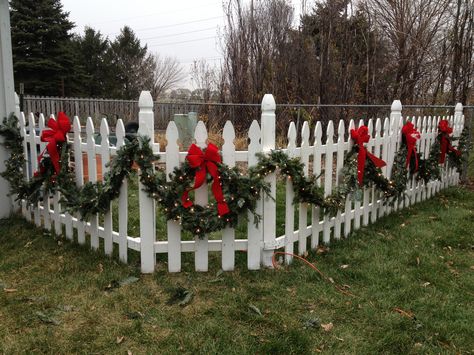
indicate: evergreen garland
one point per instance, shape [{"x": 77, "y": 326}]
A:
[{"x": 241, "y": 192}]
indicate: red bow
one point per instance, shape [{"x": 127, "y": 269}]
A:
[
  {"x": 444, "y": 132},
  {"x": 361, "y": 136},
  {"x": 206, "y": 163},
  {"x": 411, "y": 136},
  {"x": 55, "y": 135}
]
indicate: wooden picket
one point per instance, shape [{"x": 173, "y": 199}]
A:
[{"x": 261, "y": 240}]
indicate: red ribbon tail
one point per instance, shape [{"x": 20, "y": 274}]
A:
[
  {"x": 185, "y": 200},
  {"x": 379, "y": 163},
  {"x": 222, "y": 208},
  {"x": 54, "y": 155}
]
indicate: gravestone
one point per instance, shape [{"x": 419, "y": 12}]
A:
[{"x": 186, "y": 124}]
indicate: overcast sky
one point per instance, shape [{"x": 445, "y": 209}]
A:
[{"x": 185, "y": 29}]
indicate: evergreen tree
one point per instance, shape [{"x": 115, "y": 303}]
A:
[
  {"x": 94, "y": 64},
  {"x": 132, "y": 65},
  {"x": 42, "y": 53}
]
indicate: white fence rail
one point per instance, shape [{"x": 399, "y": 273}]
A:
[{"x": 261, "y": 241}]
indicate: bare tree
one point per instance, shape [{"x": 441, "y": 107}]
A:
[
  {"x": 414, "y": 29},
  {"x": 204, "y": 78},
  {"x": 167, "y": 73}
]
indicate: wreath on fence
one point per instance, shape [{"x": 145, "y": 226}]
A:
[{"x": 235, "y": 194}]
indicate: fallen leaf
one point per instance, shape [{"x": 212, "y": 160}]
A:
[
  {"x": 27, "y": 245},
  {"x": 417, "y": 261},
  {"x": 404, "y": 313},
  {"x": 345, "y": 266},
  {"x": 331, "y": 280},
  {"x": 47, "y": 319},
  {"x": 327, "y": 327},
  {"x": 129, "y": 352},
  {"x": 66, "y": 308},
  {"x": 322, "y": 249},
  {"x": 100, "y": 267},
  {"x": 402, "y": 225},
  {"x": 312, "y": 322},
  {"x": 426, "y": 284},
  {"x": 340, "y": 339},
  {"x": 129, "y": 280},
  {"x": 120, "y": 340},
  {"x": 255, "y": 309},
  {"x": 187, "y": 298},
  {"x": 10, "y": 290},
  {"x": 472, "y": 267}
]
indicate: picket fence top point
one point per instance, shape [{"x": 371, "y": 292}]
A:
[
  {"x": 268, "y": 103},
  {"x": 145, "y": 100},
  {"x": 396, "y": 105},
  {"x": 458, "y": 107}
]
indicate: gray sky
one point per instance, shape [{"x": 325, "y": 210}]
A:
[{"x": 185, "y": 29}]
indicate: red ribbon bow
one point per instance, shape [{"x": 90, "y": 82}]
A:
[
  {"x": 411, "y": 136},
  {"x": 206, "y": 163},
  {"x": 361, "y": 136},
  {"x": 55, "y": 135},
  {"x": 445, "y": 131}
]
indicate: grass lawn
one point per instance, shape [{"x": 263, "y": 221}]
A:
[{"x": 407, "y": 287}]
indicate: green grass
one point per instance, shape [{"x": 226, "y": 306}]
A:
[{"x": 419, "y": 260}]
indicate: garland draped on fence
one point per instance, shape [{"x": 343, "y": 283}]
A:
[{"x": 236, "y": 194}]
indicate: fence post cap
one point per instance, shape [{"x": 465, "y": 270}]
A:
[
  {"x": 268, "y": 103},
  {"x": 145, "y": 100},
  {"x": 458, "y": 107},
  {"x": 396, "y": 105}
]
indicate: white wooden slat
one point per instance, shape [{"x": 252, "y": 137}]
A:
[
  {"x": 377, "y": 148},
  {"x": 228, "y": 235},
  {"x": 348, "y": 207},
  {"x": 68, "y": 218},
  {"x": 34, "y": 160},
  {"x": 201, "y": 260},
  {"x": 397, "y": 141},
  {"x": 417, "y": 184},
  {"x": 56, "y": 205},
  {"x": 269, "y": 202},
  {"x": 79, "y": 173},
  {"x": 341, "y": 130},
  {"x": 105, "y": 159},
  {"x": 255, "y": 233},
  {"x": 422, "y": 151},
  {"x": 316, "y": 211},
  {"x": 147, "y": 203},
  {"x": 367, "y": 191},
  {"x": 46, "y": 200},
  {"x": 437, "y": 184},
  {"x": 173, "y": 227},
  {"x": 303, "y": 207},
  {"x": 386, "y": 142},
  {"x": 289, "y": 197},
  {"x": 328, "y": 170},
  {"x": 122, "y": 200},
  {"x": 357, "y": 202},
  {"x": 26, "y": 174},
  {"x": 92, "y": 172}
]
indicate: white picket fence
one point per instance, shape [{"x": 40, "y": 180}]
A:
[{"x": 261, "y": 242}]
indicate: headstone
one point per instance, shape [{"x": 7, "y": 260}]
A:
[{"x": 186, "y": 124}]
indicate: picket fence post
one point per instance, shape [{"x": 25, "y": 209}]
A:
[
  {"x": 458, "y": 126},
  {"x": 147, "y": 204},
  {"x": 269, "y": 204}
]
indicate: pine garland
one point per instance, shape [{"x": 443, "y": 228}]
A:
[{"x": 241, "y": 192}]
